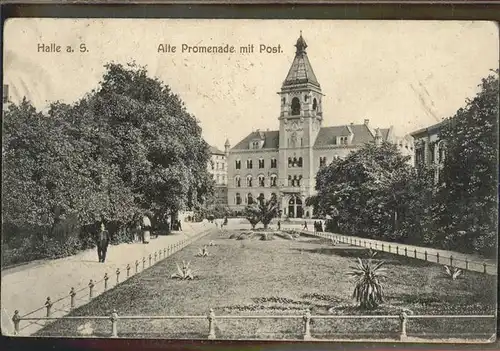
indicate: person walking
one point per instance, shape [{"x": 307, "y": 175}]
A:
[
  {"x": 102, "y": 243},
  {"x": 146, "y": 229},
  {"x": 279, "y": 225},
  {"x": 305, "y": 225}
]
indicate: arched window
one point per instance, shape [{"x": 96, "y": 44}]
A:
[
  {"x": 261, "y": 163},
  {"x": 273, "y": 163},
  {"x": 249, "y": 181},
  {"x": 295, "y": 181},
  {"x": 238, "y": 199},
  {"x": 283, "y": 101},
  {"x": 249, "y": 164},
  {"x": 322, "y": 161},
  {"x": 237, "y": 181},
  {"x": 295, "y": 162},
  {"x": 300, "y": 162},
  {"x": 249, "y": 199},
  {"x": 290, "y": 162},
  {"x": 299, "y": 180},
  {"x": 261, "y": 180},
  {"x": 295, "y": 106},
  {"x": 238, "y": 164},
  {"x": 255, "y": 144},
  {"x": 315, "y": 104},
  {"x": 261, "y": 198},
  {"x": 274, "y": 179},
  {"x": 289, "y": 180}
]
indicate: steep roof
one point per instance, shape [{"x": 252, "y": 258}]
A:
[
  {"x": 301, "y": 70},
  {"x": 271, "y": 140},
  {"x": 215, "y": 151},
  {"x": 361, "y": 134}
]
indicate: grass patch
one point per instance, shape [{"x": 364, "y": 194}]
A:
[{"x": 286, "y": 277}]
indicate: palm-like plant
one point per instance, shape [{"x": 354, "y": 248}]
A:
[
  {"x": 371, "y": 253},
  {"x": 368, "y": 290},
  {"x": 452, "y": 272},
  {"x": 183, "y": 272},
  {"x": 203, "y": 252}
]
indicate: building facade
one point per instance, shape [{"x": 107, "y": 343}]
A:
[
  {"x": 283, "y": 163},
  {"x": 217, "y": 167},
  {"x": 429, "y": 149}
]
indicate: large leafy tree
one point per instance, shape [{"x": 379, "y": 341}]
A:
[
  {"x": 130, "y": 146},
  {"x": 467, "y": 200},
  {"x": 373, "y": 192}
]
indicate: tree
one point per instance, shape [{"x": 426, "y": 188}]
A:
[
  {"x": 466, "y": 210},
  {"x": 373, "y": 192},
  {"x": 252, "y": 214},
  {"x": 267, "y": 209}
]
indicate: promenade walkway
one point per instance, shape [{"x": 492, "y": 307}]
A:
[
  {"x": 469, "y": 262},
  {"x": 26, "y": 288}
]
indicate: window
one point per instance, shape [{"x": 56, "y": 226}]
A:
[
  {"x": 299, "y": 180},
  {"x": 261, "y": 163},
  {"x": 315, "y": 104},
  {"x": 295, "y": 106},
  {"x": 261, "y": 198},
  {"x": 283, "y": 101},
  {"x": 273, "y": 163},
  {"x": 249, "y": 164},
  {"x": 274, "y": 179},
  {"x": 273, "y": 197},
  {"x": 238, "y": 199},
  {"x": 290, "y": 162},
  {"x": 255, "y": 144},
  {"x": 249, "y": 199},
  {"x": 218, "y": 179},
  {"x": 238, "y": 164},
  {"x": 322, "y": 161},
  {"x": 261, "y": 180},
  {"x": 289, "y": 180},
  {"x": 419, "y": 156},
  {"x": 249, "y": 181},
  {"x": 300, "y": 162},
  {"x": 237, "y": 181},
  {"x": 343, "y": 140},
  {"x": 212, "y": 165}
]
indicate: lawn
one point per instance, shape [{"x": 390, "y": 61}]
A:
[{"x": 255, "y": 277}]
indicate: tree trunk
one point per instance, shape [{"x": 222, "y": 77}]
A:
[{"x": 265, "y": 225}]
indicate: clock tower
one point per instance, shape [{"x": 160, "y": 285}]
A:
[{"x": 300, "y": 120}]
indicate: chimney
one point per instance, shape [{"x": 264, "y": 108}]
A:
[{"x": 367, "y": 121}]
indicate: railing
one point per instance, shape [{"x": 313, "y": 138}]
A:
[
  {"x": 88, "y": 292},
  {"x": 403, "y": 250},
  {"x": 306, "y": 318}
]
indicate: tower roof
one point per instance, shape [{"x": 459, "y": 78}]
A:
[{"x": 301, "y": 70}]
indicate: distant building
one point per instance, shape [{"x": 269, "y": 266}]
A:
[
  {"x": 218, "y": 168},
  {"x": 429, "y": 149},
  {"x": 283, "y": 163}
]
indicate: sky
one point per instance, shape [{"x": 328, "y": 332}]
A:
[{"x": 408, "y": 74}]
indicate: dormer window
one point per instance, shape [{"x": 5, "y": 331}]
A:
[
  {"x": 255, "y": 144},
  {"x": 343, "y": 140},
  {"x": 295, "y": 106}
]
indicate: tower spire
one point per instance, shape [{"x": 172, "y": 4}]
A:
[{"x": 301, "y": 71}]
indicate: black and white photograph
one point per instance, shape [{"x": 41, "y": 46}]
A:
[{"x": 231, "y": 179}]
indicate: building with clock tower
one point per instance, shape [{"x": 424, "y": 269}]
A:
[{"x": 283, "y": 163}]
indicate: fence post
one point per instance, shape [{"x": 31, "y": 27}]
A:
[
  {"x": 211, "y": 324},
  {"x": 307, "y": 324},
  {"x": 106, "y": 281},
  {"x": 48, "y": 305},
  {"x": 16, "y": 319},
  {"x": 136, "y": 266},
  {"x": 403, "y": 317},
  {"x": 72, "y": 295},
  {"x": 389, "y": 248},
  {"x": 397, "y": 250},
  {"x": 114, "y": 324},
  {"x": 425, "y": 254},
  {"x": 164, "y": 251},
  {"x": 451, "y": 260},
  {"x": 128, "y": 270},
  {"x": 91, "y": 289},
  {"x": 117, "y": 275},
  {"x": 143, "y": 263},
  {"x": 406, "y": 252},
  {"x": 155, "y": 256},
  {"x": 168, "y": 250},
  {"x": 415, "y": 253},
  {"x": 484, "y": 268},
  {"x": 149, "y": 260},
  {"x": 376, "y": 246},
  {"x": 437, "y": 257}
]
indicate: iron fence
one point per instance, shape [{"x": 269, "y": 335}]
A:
[
  {"x": 404, "y": 250},
  {"x": 306, "y": 318}
]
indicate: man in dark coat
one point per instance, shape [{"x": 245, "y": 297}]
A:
[{"x": 102, "y": 243}]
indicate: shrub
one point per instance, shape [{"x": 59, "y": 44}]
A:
[
  {"x": 368, "y": 290},
  {"x": 184, "y": 272}
]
